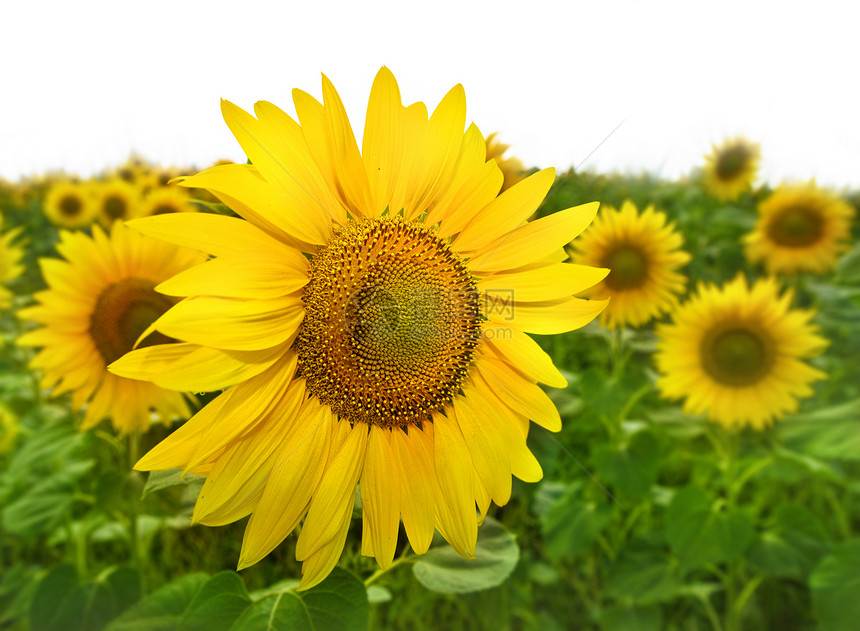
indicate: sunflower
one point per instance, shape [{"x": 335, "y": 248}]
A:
[
  {"x": 116, "y": 199},
  {"x": 512, "y": 168},
  {"x": 731, "y": 169},
  {"x": 737, "y": 353},
  {"x": 800, "y": 228},
  {"x": 11, "y": 254},
  {"x": 165, "y": 200},
  {"x": 370, "y": 316},
  {"x": 643, "y": 253},
  {"x": 99, "y": 301},
  {"x": 70, "y": 204}
]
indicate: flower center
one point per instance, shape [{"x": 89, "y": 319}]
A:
[
  {"x": 391, "y": 323},
  {"x": 123, "y": 311},
  {"x": 732, "y": 162},
  {"x": 736, "y": 357},
  {"x": 796, "y": 226},
  {"x": 115, "y": 207},
  {"x": 628, "y": 268},
  {"x": 70, "y": 206}
]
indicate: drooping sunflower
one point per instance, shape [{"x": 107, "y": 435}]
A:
[
  {"x": 99, "y": 301},
  {"x": 642, "y": 250},
  {"x": 166, "y": 200},
  {"x": 731, "y": 168},
  {"x": 70, "y": 204},
  {"x": 116, "y": 200},
  {"x": 369, "y": 319},
  {"x": 800, "y": 228},
  {"x": 512, "y": 168},
  {"x": 11, "y": 255},
  {"x": 738, "y": 352}
]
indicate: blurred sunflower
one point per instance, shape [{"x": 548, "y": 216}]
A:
[
  {"x": 344, "y": 314},
  {"x": 737, "y": 353},
  {"x": 731, "y": 169},
  {"x": 116, "y": 200},
  {"x": 642, "y": 252},
  {"x": 11, "y": 255},
  {"x": 70, "y": 204},
  {"x": 800, "y": 228},
  {"x": 162, "y": 201},
  {"x": 512, "y": 168},
  {"x": 99, "y": 301}
]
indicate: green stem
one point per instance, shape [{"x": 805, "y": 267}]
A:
[
  {"x": 711, "y": 613},
  {"x": 133, "y": 531},
  {"x": 379, "y": 573}
]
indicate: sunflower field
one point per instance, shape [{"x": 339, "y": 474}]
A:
[{"x": 406, "y": 382}]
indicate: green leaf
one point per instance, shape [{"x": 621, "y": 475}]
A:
[
  {"x": 442, "y": 570},
  {"x": 848, "y": 267},
  {"x": 700, "y": 534},
  {"x": 378, "y": 594},
  {"x": 339, "y": 603},
  {"x": 217, "y": 605},
  {"x": 832, "y": 432},
  {"x": 631, "y": 619},
  {"x": 570, "y": 525},
  {"x": 643, "y": 577},
  {"x": 52, "y": 590},
  {"x": 158, "y": 480},
  {"x": 835, "y": 586},
  {"x": 631, "y": 468},
  {"x": 162, "y": 610},
  {"x": 805, "y": 533}
]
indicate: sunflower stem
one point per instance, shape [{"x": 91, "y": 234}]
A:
[
  {"x": 133, "y": 445},
  {"x": 379, "y": 573}
]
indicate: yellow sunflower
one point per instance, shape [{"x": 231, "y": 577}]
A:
[
  {"x": 166, "y": 200},
  {"x": 116, "y": 199},
  {"x": 800, "y": 228},
  {"x": 344, "y": 313},
  {"x": 11, "y": 255},
  {"x": 512, "y": 168},
  {"x": 737, "y": 353},
  {"x": 643, "y": 253},
  {"x": 70, "y": 204},
  {"x": 731, "y": 169},
  {"x": 99, "y": 301}
]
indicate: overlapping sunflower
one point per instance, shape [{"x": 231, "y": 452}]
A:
[{"x": 369, "y": 317}]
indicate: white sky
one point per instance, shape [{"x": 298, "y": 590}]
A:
[{"x": 85, "y": 83}]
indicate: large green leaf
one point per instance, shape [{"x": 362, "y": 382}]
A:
[
  {"x": 700, "y": 534},
  {"x": 570, "y": 524},
  {"x": 158, "y": 480},
  {"x": 217, "y": 605},
  {"x": 831, "y": 432},
  {"x": 631, "y": 618},
  {"x": 631, "y": 468},
  {"x": 163, "y": 609},
  {"x": 339, "y": 603},
  {"x": 496, "y": 554},
  {"x": 643, "y": 577},
  {"x": 835, "y": 586}
]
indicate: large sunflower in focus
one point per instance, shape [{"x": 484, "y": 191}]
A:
[
  {"x": 738, "y": 353},
  {"x": 369, "y": 317},
  {"x": 99, "y": 301},
  {"x": 11, "y": 255},
  {"x": 731, "y": 169},
  {"x": 70, "y": 204},
  {"x": 800, "y": 228},
  {"x": 642, "y": 250}
]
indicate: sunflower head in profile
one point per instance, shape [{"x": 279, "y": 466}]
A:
[
  {"x": 512, "y": 168},
  {"x": 100, "y": 299},
  {"x": 368, "y": 316},
  {"x": 642, "y": 252},
  {"x": 11, "y": 266},
  {"x": 70, "y": 204},
  {"x": 731, "y": 168},
  {"x": 166, "y": 200},
  {"x": 116, "y": 200},
  {"x": 737, "y": 353},
  {"x": 800, "y": 228}
]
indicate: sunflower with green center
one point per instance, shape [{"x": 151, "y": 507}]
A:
[
  {"x": 369, "y": 319},
  {"x": 731, "y": 169},
  {"x": 116, "y": 200},
  {"x": 99, "y": 301},
  {"x": 738, "y": 352},
  {"x": 800, "y": 228},
  {"x": 166, "y": 200},
  {"x": 70, "y": 204},
  {"x": 512, "y": 168},
  {"x": 11, "y": 255},
  {"x": 642, "y": 250}
]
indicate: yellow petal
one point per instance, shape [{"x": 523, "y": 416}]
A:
[
  {"x": 522, "y": 353},
  {"x": 415, "y": 465},
  {"x": 380, "y": 495},
  {"x": 551, "y": 317},
  {"x": 550, "y": 282},
  {"x": 455, "y": 504},
  {"x": 488, "y": 453},
  {"x": 497, "y": 380}
]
